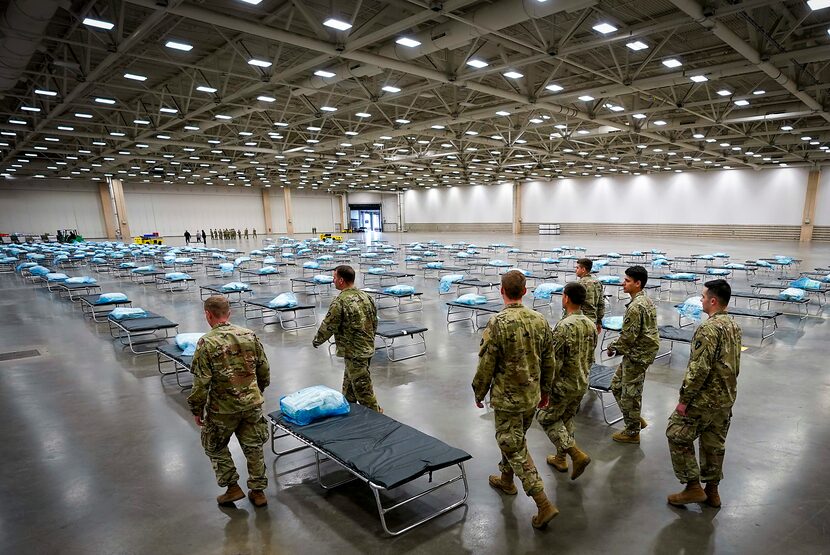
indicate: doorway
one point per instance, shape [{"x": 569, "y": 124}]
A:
[{"x": 365, "y": 217}]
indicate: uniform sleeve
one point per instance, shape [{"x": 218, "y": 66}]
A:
[
  {"x": 202, "y": 374},
  {"x": 600, "y": 303},
  {"x": 487, "y": 360},
  {"x": 330, "y": 324},
  {"x": 702, "y": 357},
  {"x": 552, "y": 357},
  {"x": 263, "y": 369},
  {"x": 630, "y": 331},
  {"x": 374, "y": 315}
]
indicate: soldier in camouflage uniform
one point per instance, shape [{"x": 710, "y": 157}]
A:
[
  {"x": 638, "y": 344},
  {"x": 353, "y": 320},
  {"x": 704, "y": 410},
  {"x": 594, "y": 306},
  {"x": 516, "y": 365},
  {"x": 230, "y": 374},
  {"x": 574, "y": 342}
]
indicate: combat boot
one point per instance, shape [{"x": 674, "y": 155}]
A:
[
  {"x": 558, "y": 461},
  {"x": 233, "y": 493},
  {"x": 692, "y": 494},
  {"x": 257, "y": 497},
  {"x": 712, "y": 495},
  {"x": 643, "y": 423},
  {"x": 580, "y": 461},
  {"x": 504, "y": 483},
  {"x": 626, "y": 437},
  {"x": 547, "y": 511}
]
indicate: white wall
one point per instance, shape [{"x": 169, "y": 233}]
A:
[
  {"x": 320, "y": 211},
  {"x": 41, "y": 206},
  {"x": 767, "y": 197},
  {"x": 277, "y": 211},
  {"x": 823, "y": 199},
  {"x": 475, "y": 204},
  {"x": 170, "y": 209}
]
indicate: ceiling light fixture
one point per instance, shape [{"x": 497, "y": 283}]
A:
[
  {"x": 98, "y": 24},
  {"x": 109, "y": 101},
  {"x": 134, "y": 77},
  {"x": 724, "y": 92},
  {"x": 45, "y": 92},
  {"x": 477, "y": 63},
  {"x": 553, "y": 87},
  {"x": 205, "y": 88},
  {"x": 335, "y": 23},
  {"x": 324, "y": 73},
  {"x": 699, "y": 78},
  {"x": 586, "y": 98},
  {"x": 604, "y": 28},
  {"x": 513, "y": 74},
  {"x": 263, "y": 98},
  {"x": 637, "y": 45},
  {"x": 390, "y": 89},
  {"x": 408, "y": 42},
  {"x": 672, "y": 63},
  {"x": 176, "y": 45}
]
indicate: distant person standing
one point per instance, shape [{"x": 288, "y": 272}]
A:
[
  {"x": 594, "y": 306},
  {"x": 186, "y": 237},
  {"x": 246, "y": 233},
  {"x": 254, "y": 230},
  {"x": 204, "y": 237}
]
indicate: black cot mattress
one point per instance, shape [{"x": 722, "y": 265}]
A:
[
  {"x": 672, "y": 333},
  {"x": 151, "y": 322},
  {"x": 390, "y": 328},
  {"x": 172, "y": 351},
  {"x": 375, "y": 446}
]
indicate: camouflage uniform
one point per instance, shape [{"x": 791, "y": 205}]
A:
[
  {"x": 574, "y": 341},
  {"x": 638, "y": 343},
  {"x": 353, "y": 320},
  {"x": 230, "y": 373},
  {"x": 594, "y": 305},
  {"x": 515, "y": 364},
  {"x": 708, "y": 391}
]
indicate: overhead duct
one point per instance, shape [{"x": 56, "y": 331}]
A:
[
  {"x": 454, "y": 34},
  {"x": 22, "y": 27}
]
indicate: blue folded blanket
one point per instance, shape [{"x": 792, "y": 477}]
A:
[
  {"x": 127, "y": 313},
  {"x": 104, "y": 298},
  {"x": 498, "y": 263},
  {"x": 266, "y": 270},
  {"x": 736, "y": 266},
  {"x": 322, "y": 279},
  {"x": 386, "y": 262},
  {"x": 312, "y": 265},
  {"x": 376, "y": 271},
  {"x": 613, "y": 323},
  {"x": 400, "y": 290},
  {"x": 471, "y": 299},
  {"x": 176, "y": 276},
  {"x": 140, "y": 269},
  {"x": 434, "y": 265},
  {"x": 806, "y": 283},
  {"x": 691, "y": 308},
  {"x": 311, "y": 404},
  {"x": 241, "y": 260},
  {"x": 792, "y": 294},
  {"x": 187, "y": 342},
  {"x": 609, "y": 279},
  {"x": 413, "y": 258},
  {"x": 681, "y": 276},
  {"x": 126, "y": 265},
  {"x": 38, "y": 270},
  {"x": 717, "y": 272},
  {"x": 226, "y": 267},
  {"x": 546, "y": 290},
  {"x": 548, "y": 260},
  {"x": 81, "y": 279},
  {"x": 446, "y": 282},
  {"x": 56, "y": 277},
  {"x": 284, "y": 300},
  {"x": 235, "y": 286}
]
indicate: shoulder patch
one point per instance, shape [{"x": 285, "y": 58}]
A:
[{"x": 698, "y": 344}]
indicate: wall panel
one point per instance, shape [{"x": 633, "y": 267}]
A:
[{"x": 41, "y": 206}]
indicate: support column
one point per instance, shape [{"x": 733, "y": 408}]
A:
[
  {"x": 343, "y": 218},
  {"x": 266, "y": 209},
  {"x": 289, "y": 212},
  {"x": 517, "y": 207},
  {"x": 123, "y": 225},
  {"x": 810, "y": 206},
  {"x": 106, "y": 210}
]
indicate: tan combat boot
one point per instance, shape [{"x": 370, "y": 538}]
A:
[
  {"x": 692, "y": 494},
  {"x": 257, "y": 497},
  {"x": 580, "y": 461},
  {"x": 643, "y": 423},
  {"x": 547, "y": 511},
  {"x": 233, "y": 493},
  {"x": 504, "y": 483},
  {"x": 712, "y": 495},
  {"x": 626, "y": 437},
  {"x": 558, "y": 461}
]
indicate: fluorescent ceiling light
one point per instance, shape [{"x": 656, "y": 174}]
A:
[
  {"x": 337, "y": 24},
  {"x": 699, "y": 78},
  {"x": 659, "y": 123},
  {"x": 83, "y": 115},
  {"x": 191, "y": 128},
  {"x": 513, "y": 74},
  {"x": 351, "y": 133},
  {"x": 252, "y": 2},
  {"x": 222, "y": 116},
  {"x": 66, "y": 128},
  {"x": 786, "y": 128},
  {"x": 471, "y": 132},
  {"x": 313, "y": 128},
  {"x": 363, "y": 115},
  {"x": 163, "y": 137},
  {"x": 259, "y": 63},
  {"x": 724, "y": 92},
  {"x": 698, "y": 135},
  {"x": 115, "y": 134},
  {"x": 408, "y": 42},
  {"x": 109, "y": 101},
  {"x": 476, "y": 63},
  {"x": 167, "y": 110},
  {"x": 759, "y": 92},
  {"x": 29, "y": 109},
  {"x": 402, "y": 121},
  {"x": 818, "y": 4},
  {"x": 175, "y": 45},
  {"x": 328, "y": 108},
  {"x": 742, "y": 102},
  {"x": 324, "y": 73},
  {"x": 672, "y": 62},
  {"x": 98, "y": 24},
  {"x": 437, "y": 127},
  {"x": 639, "y": 116},
  {"x": 205, "y": 88},
  {"x": 637, "y": 45},
  {"x": 45, "y": 92},
  {"x": 604, "y": 28},
  {"x": 141, "y": 121},
  {"x": 264, "y": 98},
  {"x": 280, "y": 124},
  {"x": 17, "y": 121},
  {"x": 390, "y": 88},
  {"x": 586, "y": 98},
  {"x": 134, "y": 77},
  {"x": 502, "y": 113}
]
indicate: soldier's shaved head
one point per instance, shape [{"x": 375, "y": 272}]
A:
[
  {"x": 514, "y": 284},
  {"x": 719, "y": 289},
  {"x": 576, "y": 292},
  {"x": 346, "y": 273},
  {"x": 218, "y": 306}
]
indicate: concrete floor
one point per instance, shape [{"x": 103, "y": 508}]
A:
[{"x": 102, "y": 455}]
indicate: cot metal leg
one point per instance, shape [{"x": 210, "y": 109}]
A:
[
  {"x": 275, "y": 437},
  {"x": 320, "y": 476},
  {"x": 667, "y": 353},
  {"x": 601, "y": 396},
  {"x": 295, "y": 322},
  {"x": 418, "y": 342}
]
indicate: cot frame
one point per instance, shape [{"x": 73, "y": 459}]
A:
[
  {"x": 410, "y": 302},
  {"x": 178, "y": 367},
  {"x": 131, "y": 343},
  {"x": 375, "y": 488},
  {"x": 88, "y": 309},
  {"x": 600, "y": 393},
  {"x": 475, "y": 312},
  {"x": 249, "y": 310},
  {"x": 418, "y": 341},
  {"x": 234, "y": 297}
]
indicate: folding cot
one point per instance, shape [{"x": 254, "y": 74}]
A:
[
  {"x": 670, "y": 279},
  {"x": 216, "y": 271},
  {"x": 308, "y": 286},
  {"x": 169, "y": 284},
  {"x": 767, "y": 300},
  {"x": 483, "y": 287},
  {"x": 7, "y": 264},
  {"x": 599, "y": 382},
  {"x": 390, "y": 331},
  {"x": 234, "y": 296},
  {"x": 820, "y": 294},
  {"x": 257, "y": 308},
  {"x": 261, "y": 277},
  {"x": 379, "y": 277},
  {"x": 93, "y": 307},
  {"x": 76, "y": 290},
  {"x": 669, "y": 333},
  {"x": 485, "y": 268},
  {"x": 472, "y": 312},
  {"x": 380, "y": 451},
  {"x": 747, "y": 269},
  {"x": 404, "y": 302},
  {"x": 620, "y": 294},
  {"x": 435, "y": 273},
  {"x": 539, "y": 263},
  {"x": 145, "y": 276},
  {"x": 326, "y": 270},
  {"x": 131, "y": 332},
  {"x": 172, "y": 354},
  {"x": 763, "y": 316}
]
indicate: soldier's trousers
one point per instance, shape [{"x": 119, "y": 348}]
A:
[
  {"x": 627, "y": 387},
  {"x": 357, "y": 383},
  {"x": 251, "y": 431},
  {"x": 511, "y": 428},
  {"x": 558, "y": 420},
  {"x": 710, "y": 426}
]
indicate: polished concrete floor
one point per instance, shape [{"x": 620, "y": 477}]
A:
[{"x": 102, "y": 456}]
